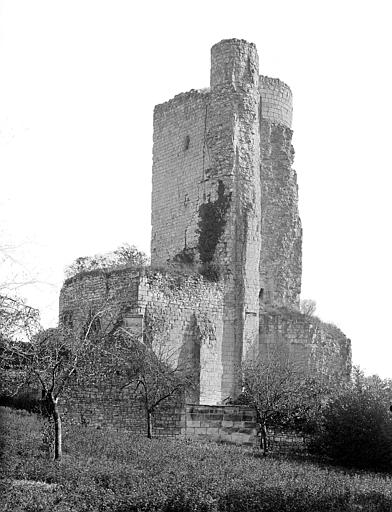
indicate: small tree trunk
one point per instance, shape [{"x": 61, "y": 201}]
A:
[
  {"x": 58, "y": 452},
  {"x": 149, "y": 424},
  {"x": 263, "y": 438}
]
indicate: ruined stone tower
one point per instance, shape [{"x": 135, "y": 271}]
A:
[
  {"x": 224, "y": 205},
  {"x": 224, "y": 193}
]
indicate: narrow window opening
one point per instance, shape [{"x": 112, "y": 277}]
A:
[
  {"x": 187, "y": 142},
  {"x": 261, "y": 295}
]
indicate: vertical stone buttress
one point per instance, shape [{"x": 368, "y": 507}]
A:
[{"x": 233, "y": 146}]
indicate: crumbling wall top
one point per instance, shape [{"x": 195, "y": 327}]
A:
[
  {"x": 181, "y": 98},
  {"x": 234, "y": 61}
]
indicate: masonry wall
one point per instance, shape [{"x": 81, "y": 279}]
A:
[
  {"x": 101, "y": 402},
  {"x": 313, "y": 346},
  {"x": 236, "y": 424},
  {"x": 230, "y": 424},
  {"x": 184, "y": 313},
  {"x": 188, "y": 310},
  {"x": 225, "y": 194},
  {"x": 206, "y": 199},
  {"x": 281, "y": 231},
  {"x": 276, "y": 101},
  {"x": 113, "y": 292},
  {"x": 179, "y": 166},
  {"x": 112, "y": 410},
  {"x": 233, "y": 145}
]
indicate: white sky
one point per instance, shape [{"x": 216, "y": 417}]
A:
[{"x": 78, "y": 83}]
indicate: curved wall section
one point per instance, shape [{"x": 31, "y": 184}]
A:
[
  {"x": 276, "y": 101},
  {"x": 234, "y": 61}
]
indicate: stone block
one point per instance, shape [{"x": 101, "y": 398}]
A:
[
  {"x": 213, "y": 431},
  {"x": 225, "y": 424}
]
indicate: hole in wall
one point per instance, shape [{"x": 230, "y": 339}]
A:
[
  {"x": 67, "y": 319},
  {"x": 187, "y": 142}
]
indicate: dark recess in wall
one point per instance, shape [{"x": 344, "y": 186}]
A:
[{"x": 212, "y": 221}]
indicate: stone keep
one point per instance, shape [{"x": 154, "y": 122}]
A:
[
  {"x": 224, "y": 203},
  {"x": 224, "y": 194}
]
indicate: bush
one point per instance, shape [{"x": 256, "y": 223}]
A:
[
  {"x": 356, "y": 430},
  {"x": 123, "y": 257},
  {"x": 23, "y": 401},
  {"x": 211, "y": 271}
]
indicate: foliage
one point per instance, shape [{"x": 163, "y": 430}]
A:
[
  {"x": 186, "y": 256},
  {"x": 211, "y": 271},
  {"x": 23, "y": 401},
  {"x": 124, "y": 256},
  {"x": 120, "y": 473},
  {"x": 212, "y": 221},
  {"x": 355, "y": 427}
]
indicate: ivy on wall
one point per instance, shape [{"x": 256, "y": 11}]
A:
[
  {"x": 186, "y": 256},
  {"x": 211, "y": 225}
]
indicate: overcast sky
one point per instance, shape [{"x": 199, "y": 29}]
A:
[{"x": 78, "y": 83}]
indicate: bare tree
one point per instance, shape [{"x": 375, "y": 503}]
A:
[
  {"x": 308, "y": 307},
  {"x": 269, "y": 386},
  {"x": 281, "y": 393},
  {"x": 49, "y": 360},
  {"x": 154, "y": 371},
  {"x": 17, "y": 319}
]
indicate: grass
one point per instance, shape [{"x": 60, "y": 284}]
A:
[{"x": 120, "y": 472}]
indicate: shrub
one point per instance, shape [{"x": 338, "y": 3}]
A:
[
  {"x": 211, "y": 271},
  {"x": 123, "y": 257},
  {"x": 23, "y": 401},
  {"x": 307, "y": 307},
  {"x": 356, "y": 430}
]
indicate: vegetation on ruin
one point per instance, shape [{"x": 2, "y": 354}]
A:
[
  {"x": 182, "y": 267},
  {"x": 307, "y": 307},
  {"x": 125, "y": 256},
  {"x": 211, "y": 225},
  {"x": 186, "y": 256},
  {"x": 119, "y": 473}
]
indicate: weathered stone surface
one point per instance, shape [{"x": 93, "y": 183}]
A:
[
  {"x": 281, "y": 232},
  {"x": 186, "y": 311},
  {"x": 276, "y": 101},
  {"x": 313, "y": 346},
  {"x": 224, "y": 202}
]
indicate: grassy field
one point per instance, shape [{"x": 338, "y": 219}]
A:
[{"x": 101, "y": 471}]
